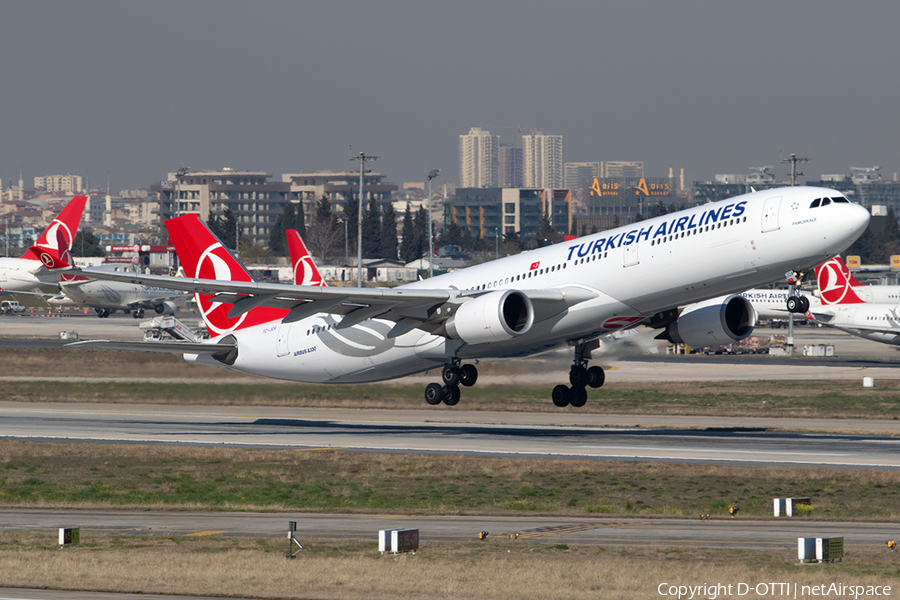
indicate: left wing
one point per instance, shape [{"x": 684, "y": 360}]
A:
[{"x": 409, "y": 308}]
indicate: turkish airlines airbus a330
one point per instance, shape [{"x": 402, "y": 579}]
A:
[{"x": 566, "y": 294}]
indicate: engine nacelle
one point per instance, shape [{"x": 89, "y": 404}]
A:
[
  {"x": 165, "y": 308},
  {"x": 493, "y": 317},
  {"x": 714, "y": 322}
]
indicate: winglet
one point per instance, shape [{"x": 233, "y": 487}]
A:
[
  {"x": 304, "y": 267},
  {"x": 835, "y": 283}
]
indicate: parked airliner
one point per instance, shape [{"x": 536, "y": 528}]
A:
[
  {"x": 565, "y": 294},
  {"x": 844, "y": 306},
  {"x": 106, "y": 297},
  {"x": 36, "y": 267},
  {"x": 773, "y": 304}
]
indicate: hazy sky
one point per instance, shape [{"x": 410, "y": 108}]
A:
[{"x": 133, "y": 90}]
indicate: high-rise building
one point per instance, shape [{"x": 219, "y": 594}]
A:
[
  {"x": 542, "y": 160},
  {"x": 510, "y": 166},
  {"x": 622, "y": 168},
  {"x": 576, "y": 172},
  {"x": 479, "y": 159}
]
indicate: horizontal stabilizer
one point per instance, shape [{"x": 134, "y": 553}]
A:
[{"x": 174, "y": 347}]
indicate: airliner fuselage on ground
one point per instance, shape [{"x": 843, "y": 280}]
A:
[
  {"x": 106, "y": 297},
  {"x": 846, "y": 305},
  {"x": 568, "y": 293},
  {"x": 36, "y": 267},
  {"x": 772, "y": 303}
]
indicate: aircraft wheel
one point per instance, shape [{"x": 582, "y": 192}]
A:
[
  {"x": 451, "y": 395},
  {"x": 450, "y": 376},
  {"x": 434, "y": 393},
  {"x": 561, "y": 395},
  {"x": 141, "y": 313},
  {"x": 578, "y": 377},
  {"x": 102, "y": 313},
  {"x": 793, "y": 304},
  {"x": 595, "y": 376},
  {"x": 804, "y": 304},
  {"x": 579, "y": 397},
  {"x": 468, "y": 375}
]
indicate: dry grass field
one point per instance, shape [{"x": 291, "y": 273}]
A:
[{"x": 258, "y": 568}]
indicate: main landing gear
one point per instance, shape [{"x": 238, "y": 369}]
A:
[
  {"x": 580, "y": 377},
  {"x": 452, "y": 377}
]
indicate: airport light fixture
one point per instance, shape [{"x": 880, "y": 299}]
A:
[
  {"x": 431, "y": 175},
  {"x": 363, "y": 159}
]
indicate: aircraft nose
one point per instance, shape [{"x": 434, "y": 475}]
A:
[{"x": 857, "y": 219}]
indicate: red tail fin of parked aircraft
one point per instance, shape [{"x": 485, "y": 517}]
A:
[
  {"x": 203, "y": 256},
  {"x": 56, "y": 241},
  {"x": 836, "y": 283},
  {"x": 305, "y": 271}
]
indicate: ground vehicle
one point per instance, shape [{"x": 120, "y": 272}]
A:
[{"x": 11, "y": 307}]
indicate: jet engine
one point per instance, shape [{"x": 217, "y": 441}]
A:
[
  {"x": 714, "y": 322},
  {"x": 493, "y": 317},
  {"x": 165, "y": 308}
]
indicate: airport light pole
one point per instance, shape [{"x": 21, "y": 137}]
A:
[
  {"x": 181, "y": 172},
  {"x": 795, "y": 287},
  {"x": 794, "y": 159},
  {"x": 431, "y": 175},
  {"x": 363, "y": 159}
]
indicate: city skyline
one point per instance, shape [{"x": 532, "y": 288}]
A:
[{"x": 132, "y": 91}]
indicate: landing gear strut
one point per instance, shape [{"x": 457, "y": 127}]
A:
[
  {"x": 453, "y": 376},
  {"x": 795, "y": 302},
  {"x": 580, "y": 377}
]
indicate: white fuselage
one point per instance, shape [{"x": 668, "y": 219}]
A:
[
  {"x": 632, "y": 272},
  {"x": 772, "y": 304},
  {"x": 876, "y": 322},
  {"x": 878, "y": 294},
  {"x": 24, "y": 275},
  {"x": 114, "y": 295}
]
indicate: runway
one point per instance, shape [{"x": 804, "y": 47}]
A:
[
  {"x": 852, "y": 444},
  {"x": 427, "y": 432}
]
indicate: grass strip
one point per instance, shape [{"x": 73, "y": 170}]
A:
[
  {"x": 845, "y": 400},
  {"x": 175, "y": 477}
]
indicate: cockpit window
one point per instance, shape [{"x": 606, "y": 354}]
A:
[
  {"x": 826, "y": 201},
  {"x": 815, "y": 203},
  {"x": 840, "y": 199}
]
